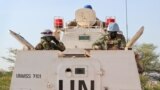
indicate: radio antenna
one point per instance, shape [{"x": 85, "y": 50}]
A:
[{"x": 126, "y": 20}]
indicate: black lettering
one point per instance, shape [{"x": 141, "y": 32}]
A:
[
  {"x": 36, "y": 75},
  {"x": 82, "y": 84},
  {"x": 60, "y": 84},
  {"x": 72, "y": 84},
  {"x": 23, "y": 75},
  {"x": 92, "y": 84}
]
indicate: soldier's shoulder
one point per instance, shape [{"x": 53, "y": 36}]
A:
[
  {"x": 39, "y": 46},
  {"x": 120, "y": 36},
  {"x": 105, "y": 35}
]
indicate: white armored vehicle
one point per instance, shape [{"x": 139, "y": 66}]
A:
[{"x": 78, "y": 67}]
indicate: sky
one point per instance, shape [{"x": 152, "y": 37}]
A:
[{"x": 30, "y": 17}]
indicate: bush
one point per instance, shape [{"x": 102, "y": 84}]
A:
[
  {"x": 5, "y": 79},
  {"x": 148, "y": 84}
]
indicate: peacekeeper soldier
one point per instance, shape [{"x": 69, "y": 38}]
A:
[
  {"x": 114, "y": 41},
  {"x": 49, "y": 42},
  {"x": 111, "y": 40},
  {"x": 98, "y": 22},
  {"x": 74, "y": 23}
]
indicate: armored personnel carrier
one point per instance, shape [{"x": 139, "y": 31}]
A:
[{"x": 79, "y": 67}]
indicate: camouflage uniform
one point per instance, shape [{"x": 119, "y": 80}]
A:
[
  {"x": 97, "y": 23},
  {"x": 106, "y": 43},
  {"x": 50, "y": 43}
]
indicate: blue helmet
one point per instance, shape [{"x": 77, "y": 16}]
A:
[
  {"x": 47, "y": 32},
  {"x": 113, "y": 27},
  {"x": 88, "y": 6}
]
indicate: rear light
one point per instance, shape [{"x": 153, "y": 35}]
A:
[
  {"x": 58, "y": 22},
  {"x": 110, "y": 20}
]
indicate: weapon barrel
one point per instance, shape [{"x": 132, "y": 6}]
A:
[
  {"x": 135, "y": 38},
  {"x": 21, "y": 40}
]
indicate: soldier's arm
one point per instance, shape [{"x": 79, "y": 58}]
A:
[
  {"x": 100, "y": 43},
  {"x": 96, "y": 45},
  {"x": 47, "y": 46},
  {"x": 60, "y": 46},
  {"x": 55, "y": 40},
  {"x": 39, "y": 47},
  {"x": 123, "y": 42}
]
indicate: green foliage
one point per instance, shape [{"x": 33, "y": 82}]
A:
[
  {"x": 150, "y": 60},
  {"x": 5, "y": 79},
  {"x": 144, "y": 80},
  {"x": 148, "y": 84},
  {"x": 152, "y": 86},
  {"x": 12, "y": 54},
  {"x": 150, "y": 63}
]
